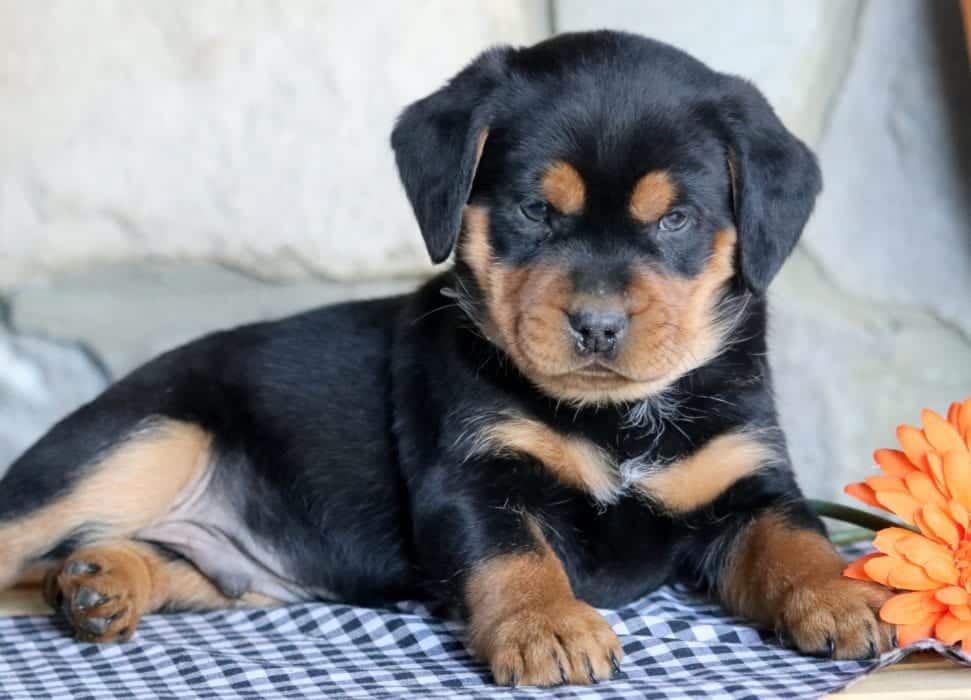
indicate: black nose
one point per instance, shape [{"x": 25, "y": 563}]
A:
[{"x": 597, "y": 331}]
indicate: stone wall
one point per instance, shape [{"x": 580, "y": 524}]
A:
[{"x": 170, "y": 168}]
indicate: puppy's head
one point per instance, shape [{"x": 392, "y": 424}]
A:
[{"x": 612, "y": 201}]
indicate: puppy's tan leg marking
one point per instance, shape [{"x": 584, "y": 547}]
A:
[
  {"x": 700, "y": 478},
  {"x": 525, "y": 622},
  {"x": 791, "y": 579},
  {"x": 127, "y": 489},
  {"x": 574, "y": 461},
  {"x": 104, "y": 589}
]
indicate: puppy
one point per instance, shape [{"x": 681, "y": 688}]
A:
[{"x": 576, "y": 412}]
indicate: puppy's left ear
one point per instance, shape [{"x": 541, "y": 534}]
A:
[
  {"x": 775, "y": 180},
  {"x": 437, "y": 143}
]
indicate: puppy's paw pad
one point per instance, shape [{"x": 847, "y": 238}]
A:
[
  {"x": 568, "y": 643},
  {"x": 837, "y": 617},
  {"x": 102, "y": 595}
]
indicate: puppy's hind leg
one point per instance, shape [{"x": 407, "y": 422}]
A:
[{"x": 97, "y": 475}]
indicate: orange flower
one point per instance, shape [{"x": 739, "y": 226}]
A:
[{"x": 927, "y": 485}]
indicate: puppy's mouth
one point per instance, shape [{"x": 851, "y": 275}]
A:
[{"x": 600, "y": 371}]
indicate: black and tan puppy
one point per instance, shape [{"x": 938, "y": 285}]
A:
[{"x": 577, "y": 412}]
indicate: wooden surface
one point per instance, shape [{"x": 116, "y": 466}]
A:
[
  {"x": 922, "y": 676},
  {"x": 23, "y": 601},
  {"x": 919, "y": 677}
]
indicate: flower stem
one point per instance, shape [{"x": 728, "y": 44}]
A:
[{"x": 854, "y": 516}]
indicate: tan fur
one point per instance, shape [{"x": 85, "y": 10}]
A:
[
  {"x": 563, "y": 188},
  {"x": 130, "y": 487},
  {"x": 653, "y": 195},
  {"x": 526, "y": 623},
  {"x": 132, "y": 580},
  {"x": 673, "y": 327},
  {"x": 474, "y": 247},
  {"x": 699, "y": 479},
  {"x": 791, "y": 579},
  {"x": 574, "y": 461}
]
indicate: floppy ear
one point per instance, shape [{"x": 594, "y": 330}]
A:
[
  {"x": 775, "y": 180},
  {"x": 437, "y": 143}
]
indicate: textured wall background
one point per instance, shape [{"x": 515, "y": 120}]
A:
[{"x": 167, "y": 168}]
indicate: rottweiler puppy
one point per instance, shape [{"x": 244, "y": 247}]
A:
[{"x": 577, "y": 411}]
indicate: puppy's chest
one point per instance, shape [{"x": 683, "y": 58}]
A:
[{"x": 671, "y": 468}]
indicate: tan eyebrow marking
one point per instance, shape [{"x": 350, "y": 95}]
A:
[
  {"x": 653, "y": 194},
  {"x": 564, "y": 188}
]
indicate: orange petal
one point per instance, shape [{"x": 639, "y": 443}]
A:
[
  {"x": 957, "y": 474},
  {"x": 910, "y": 577},
  {"x": 864, "y": 493},
  {"x": 942, "y": 436},
  {"x": 941, "y": 523},
  {"x": 964, "y": 420},
  {"x": 908, "y": 634},
  {"x": 954, "y": 415},
  {"x": 878, "y": 568},
  {"x": 923, "y": 488},
  {"x": 900, "y": 504},
  {"x": 951, "y": 630},
  {"x": 910, "y": 608},
  {"x": 893, "y": 462},
  {"x": 966, "y": 646},
  {"x": 915, "y": 445},
  {"x": 961, "y": 612},
  {"x": 924, "y": 528},
  {"x": 937, "y": 471},
  {"x": 952, "y": 595},
  {"x": 855, "y": 569},
  {"x": 959, "y": 513},
  {"x": 935, "y": 559},
  {"x": 887, "y": 483},
  {"x": 886, "y": 539}
]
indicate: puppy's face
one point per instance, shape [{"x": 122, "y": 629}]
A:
[
  {"x": 596, "y": 210},
  {"x": 602, "y": 269}
]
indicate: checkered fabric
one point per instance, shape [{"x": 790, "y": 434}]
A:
[{"x": 676, "y": 647}]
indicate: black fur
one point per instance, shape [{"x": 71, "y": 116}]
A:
[{"x": 340, "y": 433}]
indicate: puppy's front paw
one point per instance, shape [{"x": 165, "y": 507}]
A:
[
  {"x": 837, "y": 617},
  {"x": 564, "y": 643}
]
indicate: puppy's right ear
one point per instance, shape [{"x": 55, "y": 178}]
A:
[{"x": 437, "y": 143}]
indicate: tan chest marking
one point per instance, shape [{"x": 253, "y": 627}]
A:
[
  {"x": 700, "y": 478},
  {"x": 679, "y": 487},
  {"x": 574, "y": 461}
]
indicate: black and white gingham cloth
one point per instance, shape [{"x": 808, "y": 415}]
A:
[{"x": 676, "y": 646}]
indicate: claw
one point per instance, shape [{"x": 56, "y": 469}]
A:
[
  {"x": 590, "y": 673},
  {"x": 94, "y": 625},
  {"x": 614, "y": 662},
  {"x": 86, "y": 598},
  {"x": 563, "y": 677},
  {"x": 76, "y": 567}
]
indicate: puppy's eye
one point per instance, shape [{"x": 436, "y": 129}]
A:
[
  {"x": 535, "y": 210},
  {"x": 674, "y": 220}
]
